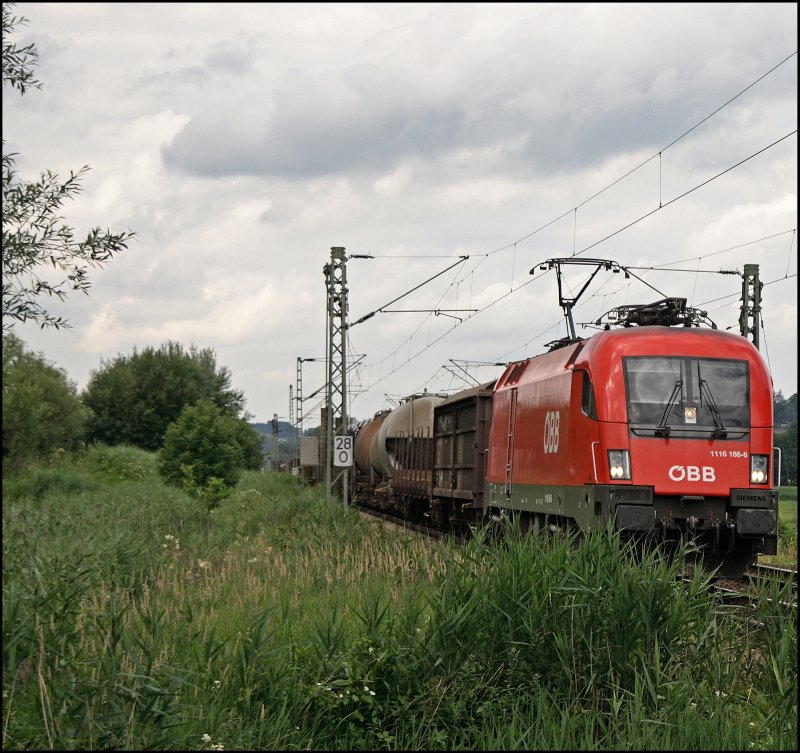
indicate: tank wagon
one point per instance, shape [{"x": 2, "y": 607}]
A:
[
  {"x": 393, "y": 454},
  {"x": 664, "y": 430}
]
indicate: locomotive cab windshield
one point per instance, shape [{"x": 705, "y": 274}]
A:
[{"x": 682, "y": 397}]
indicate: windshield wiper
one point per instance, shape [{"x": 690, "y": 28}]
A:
[
  {"x": 719, "y": 431},
  {"x": 662, "y": 430}
]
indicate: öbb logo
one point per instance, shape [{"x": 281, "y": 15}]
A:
[
  {"x": 551, "y": 430},
  {"x": 692, "y": 473}
]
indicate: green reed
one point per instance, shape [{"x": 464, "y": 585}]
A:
[{"x": 135, "y": 618}]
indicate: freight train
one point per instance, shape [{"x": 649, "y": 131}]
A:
[{"x": 663, "y": 431}]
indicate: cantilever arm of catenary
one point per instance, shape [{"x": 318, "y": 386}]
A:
[{"x": 461, "y": 260}]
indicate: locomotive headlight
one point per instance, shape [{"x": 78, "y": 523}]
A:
[
  {"x": 759, "y": 469},
  {"x": 619, "y": 464}
]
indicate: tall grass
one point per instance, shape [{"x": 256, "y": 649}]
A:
[{"x": 135, "y": 618}]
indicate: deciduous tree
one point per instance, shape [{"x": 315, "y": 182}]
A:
[
  {"x": 41, "y": 410},
  {"x": 135, "y": 397}
]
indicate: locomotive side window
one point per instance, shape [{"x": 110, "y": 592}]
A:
[
  {"x": 588, "y": 404},
  {"x": 684, "y": 396}
]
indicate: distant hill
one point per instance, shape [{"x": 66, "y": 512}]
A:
[
  {"x": 285, "y": 435},
  {"x": 284, "y": 428}
]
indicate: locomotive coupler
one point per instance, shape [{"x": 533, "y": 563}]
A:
[{"x": 664, "y": 526}]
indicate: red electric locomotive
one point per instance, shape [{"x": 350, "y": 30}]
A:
[{"x": 664, "y": 430}]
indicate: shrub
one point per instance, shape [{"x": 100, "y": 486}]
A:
[
  {"x": 202, "y": 453},
  {"x": 42, "y": 414},
  {"x": 119, "y": 463}
]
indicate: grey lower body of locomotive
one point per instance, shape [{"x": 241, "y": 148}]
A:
[{"x": 730, "y": 530}]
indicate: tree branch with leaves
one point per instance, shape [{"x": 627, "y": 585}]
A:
[{"x": 41, "y": 256}]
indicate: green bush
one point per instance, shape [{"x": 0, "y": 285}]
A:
[
  {"x": 136, "y": 397},
  {"x": 120, "y": 463},
  {"x": 42, "y": 414},
  {"x": 202, "y": 454}
]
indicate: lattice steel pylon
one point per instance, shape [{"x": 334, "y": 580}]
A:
[
  {"x": 292, "y": 428},
  {"x": 751, "y": 304},
  {"x": 299, "y": 395},
  {"x": 336, "y": 355},
  {"x": 274, "y": 453}
]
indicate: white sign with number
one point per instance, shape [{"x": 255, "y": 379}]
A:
[{"x": 343, "y": 451}]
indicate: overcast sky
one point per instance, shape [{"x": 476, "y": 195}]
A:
[{"x": 242, "y": 141}]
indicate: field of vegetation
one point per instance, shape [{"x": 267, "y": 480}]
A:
[
  {"x": 787, "y": 529},
  {"x": 136, "y": 617},
  {"x": 788, "y": 502}
]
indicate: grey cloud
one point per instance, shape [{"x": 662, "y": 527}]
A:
[
  {"x": 569, "y": 142},
  {"x": 314, "y": 131},
  {"x": 226, "y": 58},
  {"x": 517, "y": 96},
  {"x": 316, "y": 136}
]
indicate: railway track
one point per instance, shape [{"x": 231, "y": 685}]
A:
[
  {"x": 760, "y": 573},
  {"x": 424, "y": 528},
  {"x": 748, "y": 591}
]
